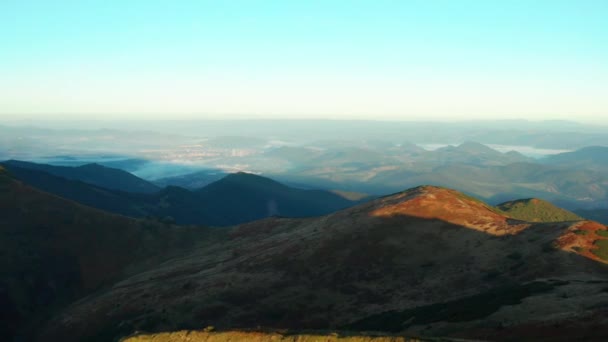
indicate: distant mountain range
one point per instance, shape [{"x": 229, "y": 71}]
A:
[
  {"x": 234, "y": 199},
  {"x": 573, "y": 180},
  {"x": 428, "y": 261},
  {"x": 95, "y": 174},
  {"x": 587, "y": 157}
]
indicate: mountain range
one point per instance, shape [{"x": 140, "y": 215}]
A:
[
  {"x": 95, "y": 174},
  {"x": 236, "y": 198},
  {"x": 573, "y": 180},
  {"x": 428, "y": 261}
]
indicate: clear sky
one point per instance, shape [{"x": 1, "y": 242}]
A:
[{"x": 402, "y": 60}]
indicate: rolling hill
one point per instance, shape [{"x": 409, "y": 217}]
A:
[
  {"x": 429, "y": 261},
  {"x": 536, "y": 210},
  {"x": 470, "y": 152}
]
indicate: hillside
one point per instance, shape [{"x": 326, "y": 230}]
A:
[
  {"x": 536, "y": 210},
  {"x": 94, "y": 174},
  {"x": 425, "y": 262},
  {"x": 55, "y": 251}
]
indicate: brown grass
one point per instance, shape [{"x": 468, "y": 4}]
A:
[{"x": 238, "y": 336}]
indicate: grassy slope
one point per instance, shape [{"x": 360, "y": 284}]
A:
[
  {"x": 244, "y": 336},
  {"x": 535, "y": 210}
]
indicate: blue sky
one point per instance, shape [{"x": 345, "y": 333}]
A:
[{"x": 402, "y": 60}]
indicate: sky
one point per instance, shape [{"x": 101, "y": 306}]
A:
[{"x": 376, "y": 59}]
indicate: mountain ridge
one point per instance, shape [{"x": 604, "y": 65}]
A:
[
  {"x": 235, "y": 199},
  {"x": 332, "y": 271},
  {"x": 94, "y": 174}
]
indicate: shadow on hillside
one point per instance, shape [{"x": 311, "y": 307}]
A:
[{"x": 349, "y": 271}]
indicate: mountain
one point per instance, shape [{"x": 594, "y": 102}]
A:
[
  {"x": 123, "y": 203},
  {"x": 55, "y": 251},
  {"x": 591, "y": 157},
  {"x": 94, "y": 174},
  {"x": 192, "y": 181},
  {"x": 536, "y": 210},
  {"x": 429, "y": 261},
  {"x": 254, "y": 197},
  {"x": 475, "y": 153},
  {"x": 235, "y": 199}
]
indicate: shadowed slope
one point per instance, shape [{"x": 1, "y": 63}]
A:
[
  {"x": 400, "y": 255},
  {"x": 55, "y": 251},
  {"x": 94, "y": 174},
  {"x": 254, "y": 197},
  {"x": 235, "y": 199},
  {"x": 81, "y": 192}
]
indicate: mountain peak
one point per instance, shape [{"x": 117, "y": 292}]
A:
[
  {"x": 433, "y": 202},
  {"x": 246, "y": 178},
  {"x": 472, "y": 146},
  {"x": 92, "y": 166}
]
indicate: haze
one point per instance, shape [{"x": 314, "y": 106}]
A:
[{"x": 391, "y": 60}]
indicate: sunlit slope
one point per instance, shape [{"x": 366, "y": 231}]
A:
[{"x": 244, "y": 336}]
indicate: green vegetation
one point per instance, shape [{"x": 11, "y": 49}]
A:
[
  {"x": 535, "y": 210},
  {"x": 581, "y": 232},
  {"x": 460, "y": 310},
  {"x": 603, "y": 233},
  {"x": 602, "y": 249}
]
